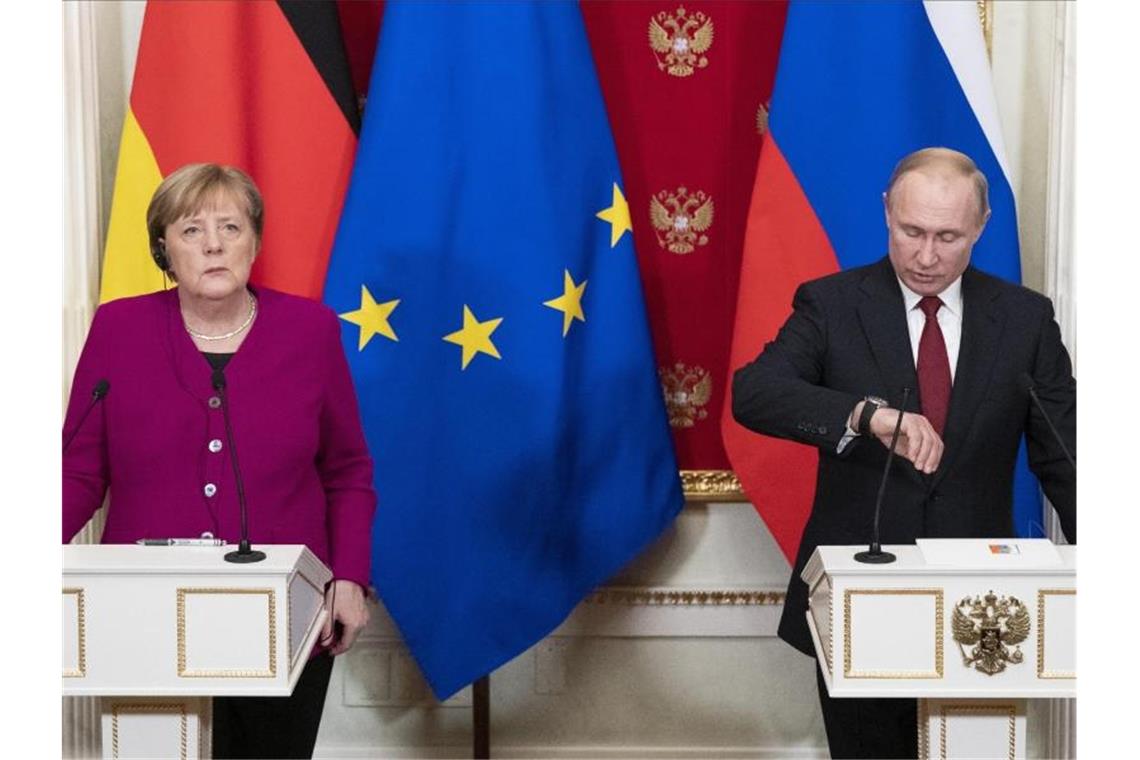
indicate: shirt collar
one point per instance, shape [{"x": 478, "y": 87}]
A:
[{"x": 951, "y": 297}]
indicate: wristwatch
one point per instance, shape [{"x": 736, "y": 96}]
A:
[{"x": 871, "y": 404}]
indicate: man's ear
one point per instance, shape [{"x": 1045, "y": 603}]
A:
[
  {"x": 982, "y": 226},
  {"x": 887, "y": 210}
]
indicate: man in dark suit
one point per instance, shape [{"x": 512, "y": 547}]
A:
[{"x": 963, "y": 342}]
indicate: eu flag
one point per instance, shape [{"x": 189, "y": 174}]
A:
[{"x": 493, "y": 317}]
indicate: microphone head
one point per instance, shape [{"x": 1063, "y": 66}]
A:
[
  {"x": 219, "y": 380},
  {"x": 101, "y": 388}
]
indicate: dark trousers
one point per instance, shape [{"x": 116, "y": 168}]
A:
[
  {"x": 869, "y": 728},
  {"x": 274, "y": 727}
]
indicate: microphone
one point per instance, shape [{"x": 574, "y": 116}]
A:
[
  {"x": 98, "y": 393},
  {"x": 875, "y": 554},
  {"x": 1028, "y": 384},
  {"x": 244, "y": 553}
]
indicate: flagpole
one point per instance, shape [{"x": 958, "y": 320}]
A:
[{"x": 481, "y": 718}]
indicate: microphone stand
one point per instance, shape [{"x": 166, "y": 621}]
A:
[
  {"x": 875, "y": 554},
  {"x": 97, "y": 395},
  {"x": 1027, "y": 381},
  {"x": 244, "y": 554}
]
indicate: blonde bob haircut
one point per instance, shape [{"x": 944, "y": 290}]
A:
[
  {"x": 947, "y": 159},
  {"x": 194, "y": 187}
]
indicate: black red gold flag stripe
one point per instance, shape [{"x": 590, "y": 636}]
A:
[{"x": 261, "y": 86}]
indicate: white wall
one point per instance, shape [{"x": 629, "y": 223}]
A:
[{"x": 633, "y": 676}]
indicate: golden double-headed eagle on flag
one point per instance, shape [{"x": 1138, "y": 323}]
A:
[
  {"x": 680, "y": 219},
  {"x": 682, "y": 40}
]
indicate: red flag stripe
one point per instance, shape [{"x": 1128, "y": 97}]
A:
[
  {"x": 784, "y": 246},
  {"x": 231, "y": 83}
]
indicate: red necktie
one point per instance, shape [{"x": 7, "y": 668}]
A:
[{"x": 933, "y": 366}]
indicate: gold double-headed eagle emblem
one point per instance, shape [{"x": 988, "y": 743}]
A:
[
  {"x": 680, "y": 218},
  {"x": 991, "y": 625},
  {"x": 679, "y": 41},
  {"x": 687, "y": 390}
]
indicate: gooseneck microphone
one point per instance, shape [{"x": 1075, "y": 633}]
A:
[
  {"x": 875, "y": 554},
  {"x": 1029, "y": 386},
  {"x": 98, "y": 393},
  {"x": 244, "y": 553}
]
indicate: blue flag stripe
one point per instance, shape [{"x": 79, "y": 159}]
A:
[{"x": 512, "y": 486}]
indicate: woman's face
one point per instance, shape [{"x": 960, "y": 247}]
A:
[{"x": 212, "y": 250}]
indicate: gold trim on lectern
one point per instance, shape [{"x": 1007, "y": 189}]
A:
[
  {"x": 655, "y": 597},
  {"x": 271, "y": 623},
  {"x": 1041, "y": 594},
  {"x": 81, "y": 634},
  {"x": 998, "y": 710},
  {"x": 711, "y": 485},
  {"x": 923, "y": 730},
  {"x": 938, "y": 629},
  {"x": 139, "y": 708}
]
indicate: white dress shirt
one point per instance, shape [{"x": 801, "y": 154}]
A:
[{"x": 949, "y": 319}]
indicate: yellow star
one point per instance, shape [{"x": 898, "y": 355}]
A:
[
  {"x": 570, "y": 302},
  {"x": 475, "y": 337},
  {"x": 372, "y": 318},
  {"x": 618, "y": 217}
]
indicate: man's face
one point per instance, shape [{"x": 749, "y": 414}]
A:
[{"x": 933, "y": 222}]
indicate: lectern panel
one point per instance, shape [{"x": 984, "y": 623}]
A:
[
  {"x": 972, "y": 729},
  {"x": 912, "y": 646},
  {"x": 245, "y": 647},
  {"x": 1056, "y": 633},
  {"x": 305, "y": 601},
  {"x": 152, "y": 729},
  {"x": 821, "y": 610},
  {"x": 74, "y": 634}
]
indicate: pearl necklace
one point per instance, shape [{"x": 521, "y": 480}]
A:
[{"x": 231, "y": 333}]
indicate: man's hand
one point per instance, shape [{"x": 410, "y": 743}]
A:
[
  {"x": 345, "y": 602},
  {"x": 918, "y": 442}
]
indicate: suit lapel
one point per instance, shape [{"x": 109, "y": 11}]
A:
[
  {"x": 982, "y": 324},
  {"x": 882, "y": 313}
]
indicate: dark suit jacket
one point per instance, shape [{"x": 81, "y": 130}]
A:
[{"x": 847, "y": 338}]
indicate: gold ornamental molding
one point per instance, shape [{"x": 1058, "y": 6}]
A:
[
  {"x": 998, "y": 710},
  {"x": 712, "y": 485},
  {"x": 831, "y": 630},
  {"x": 991, "y": 624},
  {"x": 848, "y": 672},
  {"x": 271, "y": 624},
  {"x": 136, "y": 708},
  {"x": 986, "y": 17},
  {"x": 642, "y": 597},
  {"x": 923, "y": 730},
  {"x": 1041, "y": 596},
  {"x": 81, "y": 614}
]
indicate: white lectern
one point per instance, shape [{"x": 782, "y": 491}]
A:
[
  {"x": 971, "y": 627},
  {"x": 159, "y": 630}
]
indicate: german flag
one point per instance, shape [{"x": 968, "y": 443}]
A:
[{"x": 263, "y": 86}]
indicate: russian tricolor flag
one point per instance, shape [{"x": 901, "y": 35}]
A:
[{"x": 859, "y": 85}]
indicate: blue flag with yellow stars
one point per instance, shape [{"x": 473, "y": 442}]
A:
[{"x": 492, "y": 313}]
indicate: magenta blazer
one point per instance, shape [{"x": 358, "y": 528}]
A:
[{"x": 157, "y": 441}]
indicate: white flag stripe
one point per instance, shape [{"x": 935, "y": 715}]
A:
[{"x": 959, "y": 30}]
